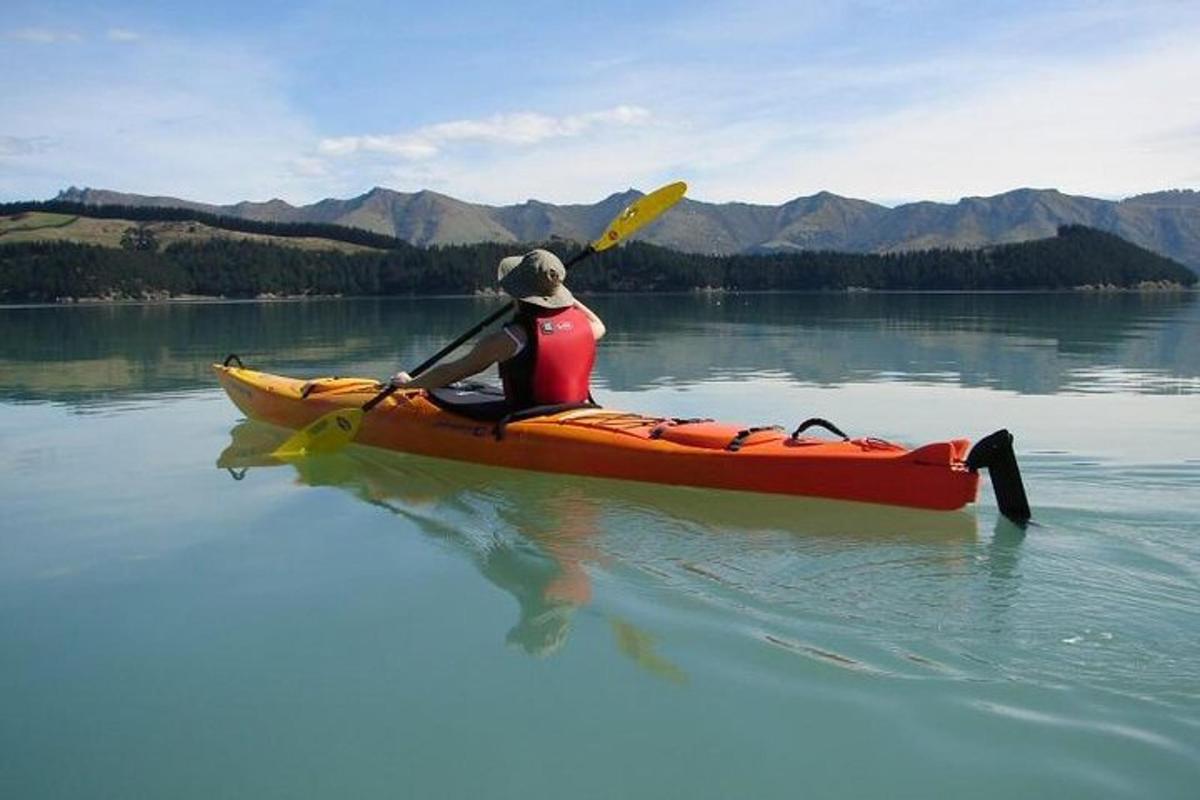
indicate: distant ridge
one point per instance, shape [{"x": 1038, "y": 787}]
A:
[{"x": 1166, "y": 222}]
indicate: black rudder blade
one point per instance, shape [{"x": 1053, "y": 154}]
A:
[{"x": 995, "y": 453}]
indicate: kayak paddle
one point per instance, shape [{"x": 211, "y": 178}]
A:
[{"x": 338, "y": 428}]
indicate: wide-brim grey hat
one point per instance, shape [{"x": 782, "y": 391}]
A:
[{"x": 537, "y": 278}]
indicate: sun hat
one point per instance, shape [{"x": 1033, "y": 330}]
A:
[{"x": 536, "y": 278}]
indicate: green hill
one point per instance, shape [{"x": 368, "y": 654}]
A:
[{"x": 224, "y": 266}]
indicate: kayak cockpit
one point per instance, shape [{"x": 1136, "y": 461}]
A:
[
  {"x": 486, "y": 403},
  {"x": 479, "y": 401}
]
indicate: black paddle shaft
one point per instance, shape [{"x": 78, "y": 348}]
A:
[{"x": 450, "y": 348}]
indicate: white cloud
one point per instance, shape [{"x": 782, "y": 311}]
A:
[
  {"x": 11, "y": 146},
  {"x": 980, "y": 115},
  {"x": 407, "y": 147},
  {"x": 522, "y": 128},
  {"x": 43, "y": 36},
  {"x": 210, "y": 123},
  {"x": 936, "y": 126},
  {"x": 306, "y": 167},
  {"x": 1104, "y": 127},
  {"x": 1110, "y": 121}
]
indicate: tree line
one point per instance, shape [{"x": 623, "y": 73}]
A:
[{"x": 56, "y": 271}]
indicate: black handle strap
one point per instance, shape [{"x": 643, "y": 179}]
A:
[
  {"x": 674, "y": 422},
  {"x": 736, "y": 442},
  {"x": 817, "y": 422}
]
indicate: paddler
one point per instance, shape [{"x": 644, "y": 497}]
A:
[{"x": 546, "y": 352}]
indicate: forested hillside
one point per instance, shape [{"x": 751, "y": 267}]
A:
[{"x": 58, "y": 271}]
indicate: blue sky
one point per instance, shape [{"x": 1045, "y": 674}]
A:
[{"x": 499, "y": 103}]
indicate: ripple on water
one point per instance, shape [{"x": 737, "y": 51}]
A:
[
  {"x": 1092, "y": 726},
  {"x": 1109, "y": 607}
]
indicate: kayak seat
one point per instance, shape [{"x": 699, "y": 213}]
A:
[
  {"x": 485, "y": 402},
  {"x": 473, "y": 400}
]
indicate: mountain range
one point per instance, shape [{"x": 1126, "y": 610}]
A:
[{"x": 1166, "y": 222}]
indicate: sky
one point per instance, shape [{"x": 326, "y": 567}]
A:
[{"x": 494, "y": 102}]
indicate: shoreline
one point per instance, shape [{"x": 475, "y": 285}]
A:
[{"x": 185, "y": 300}]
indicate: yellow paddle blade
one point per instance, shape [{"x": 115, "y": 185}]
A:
[
  {"x": 329, "y": 432},
  {"x": 639, "y": 213}
]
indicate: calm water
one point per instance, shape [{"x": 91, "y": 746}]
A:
[{"x": 176, "y": 621}]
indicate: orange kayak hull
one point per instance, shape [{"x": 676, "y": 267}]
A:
[{"x": 604, "y": 443}]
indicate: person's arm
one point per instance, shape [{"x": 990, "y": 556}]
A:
[
  {"x": 495, "y": 347},
  {"x": 597, "y": 324}
]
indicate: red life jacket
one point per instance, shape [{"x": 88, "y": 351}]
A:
[{"x": 555, "y": 365}]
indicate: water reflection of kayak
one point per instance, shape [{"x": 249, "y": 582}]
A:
[
  {"x": 603, "y": 443},
  {"x": 533, "y": 535}
]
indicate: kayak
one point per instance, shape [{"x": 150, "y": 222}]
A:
[
  {"x": 416, "y": 486},
  {"x": 470, "y": 423}
]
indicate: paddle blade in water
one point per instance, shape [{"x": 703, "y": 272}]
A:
[
  {"x": 330, "y": 432},
  {"x": 640, "y": 213}
]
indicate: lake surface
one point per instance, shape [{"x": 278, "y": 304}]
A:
[{"x": 176, "y": 621}]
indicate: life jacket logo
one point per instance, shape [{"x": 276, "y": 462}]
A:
[{"x": 549, "y": 326}]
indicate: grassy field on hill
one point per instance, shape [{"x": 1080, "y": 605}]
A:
[
  {"x": 31, "y": 222},
  {"x": 38, "y": 226}
]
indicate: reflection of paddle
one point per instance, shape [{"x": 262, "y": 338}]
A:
[
  {"x": 339, "y": 428},
  {"x": 639, "y": 645}
]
